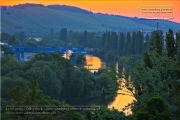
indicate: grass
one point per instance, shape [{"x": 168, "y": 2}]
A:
[{"x": 42, "y": 19}]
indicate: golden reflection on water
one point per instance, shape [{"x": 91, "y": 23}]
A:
[
  {"x": 93, "y": 62},
  {"x": 120, "y": 100}
]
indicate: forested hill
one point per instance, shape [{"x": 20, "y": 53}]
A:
[{"x": 39, "y": 19}]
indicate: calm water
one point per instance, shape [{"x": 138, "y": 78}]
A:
[
  {"x": 121, "y": 100},
  {"x": 95, "y": 63}
]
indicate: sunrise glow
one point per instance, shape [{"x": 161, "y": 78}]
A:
[{"x": 118, "y": 7}]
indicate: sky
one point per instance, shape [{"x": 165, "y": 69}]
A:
[{"x": 116, "y": 7}]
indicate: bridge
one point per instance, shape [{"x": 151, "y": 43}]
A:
[{"x": 20, "y": 50}]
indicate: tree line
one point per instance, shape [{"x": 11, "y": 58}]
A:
[
  {"x": 154, "y": 79},
  {"x": 109, "y": 46},
  {"x": 50, "y": 79},
  {"x": 151, "y": 65}
]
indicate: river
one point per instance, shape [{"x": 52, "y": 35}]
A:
[
  {"x": 120, "y": 100},
  {"x": 93, "y": 62}
]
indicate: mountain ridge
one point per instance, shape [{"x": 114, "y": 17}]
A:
[{"x": 39, "y": 19}]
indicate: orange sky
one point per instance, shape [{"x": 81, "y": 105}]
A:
[{"x": 119, "y": 7}]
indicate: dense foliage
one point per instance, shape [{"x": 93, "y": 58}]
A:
[
  {"x": 153, "y": 109},
  {"x": 58, "y": 78},
  {"x": 157, "y": 74},
  {"x": 109, "y": 46},
  {"x": 151, "y": 67},
  {"x": 31, "y": 96},
  {"x": 105, "y": 114},
  {"x": 54, "y": 76}
]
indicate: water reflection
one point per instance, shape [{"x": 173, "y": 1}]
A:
[
  {"x": 123, "y": 97},
  {"x": 93, "y": 63}
]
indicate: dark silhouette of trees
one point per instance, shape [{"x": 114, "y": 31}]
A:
[
  {"x": 170, "y": 44},
  {"x": 63, "y": 34},
  {"x": 155, "y": 108},
  {"x": 121, "y": 43},
  {"x": 178, "y": 44},
  {"x": 85, "y": 41}
]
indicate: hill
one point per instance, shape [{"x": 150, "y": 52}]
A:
[{"x": 36, "y": 19}]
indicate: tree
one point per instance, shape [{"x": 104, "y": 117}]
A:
[
  {"x": 152, "y": 44},
  {"x": 76, "y": 85},
  {"x": 170, "y": 44},
  {"x": 113, "y": 42},
  {"x": 33, "y": 97},
  {"x": 140, "y": 41},
  {"x": 103, "y": 41},
  {"x": 21, "y": 36},
  {"x": 158, "y": 43},
  {"x": 133, "y": 43},
  {"x": 105, "y": 114},
  {"x": 157, "y": 74},
  {"x": 128, "y": 44},
  {"x": 49, "y": 83},
  {"x": 108, "y": 47},
  {"x": 155, "y": 108},
  {"x": 10, "y": 63},
  {"x": 8, "y": 83},
  {"x": 47, "y": 80},
  {"x": 63, "y": 34},
  {"x": 89, "y": 90},
  {"x": 121, "y": 43},
  {"x": 147, "y": 60},
  {"x": 5, "y": 37},
  {"x": 85, "y": 42},
  {"x": 111, "y": 56},
  {"x": 178, "y": 44},
  {"x": 12, "y": 40},
  {"x": 107, "y": 84},
  {"x": 146, "y": 43},
  {"x": 81, "y": 60}
]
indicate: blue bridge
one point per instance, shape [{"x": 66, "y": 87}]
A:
[{"x": 20, "y": 50}]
